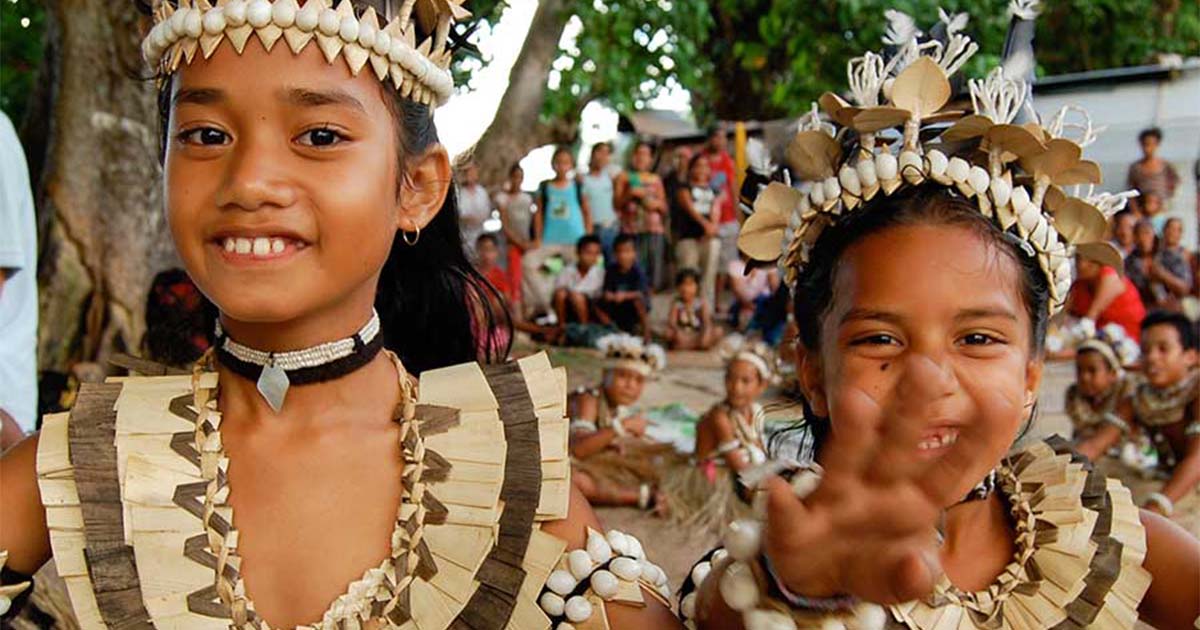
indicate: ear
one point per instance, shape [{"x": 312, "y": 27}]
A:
[
  {"x": 1033, "y": 380},
  {"x": 812, "y": 383},
  {"x": 423, "y": 189}
]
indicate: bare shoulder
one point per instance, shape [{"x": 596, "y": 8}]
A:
[
  {"x": 22, "y": 519},
  {"x": 1173, "y": 560},
  {"x": 584, "y": 406}
]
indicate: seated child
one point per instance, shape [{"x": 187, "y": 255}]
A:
[
  {"x": 1098, "y": 403},
  {"x": 577, "y": 286},
  {"x": 729, "y": 438},
  {"x": 1166, "y": 403},
  {"x": 689, "y": 324},
  {"x": 487, "y": 254},
  {"x": 612, "y": 461},
  {"x": 625, "y": 301}
]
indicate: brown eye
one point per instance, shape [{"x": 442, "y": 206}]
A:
[
  {"x": 204, "y": 136},
  {"x": 322, "y": 137}
]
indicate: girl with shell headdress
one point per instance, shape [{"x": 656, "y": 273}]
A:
[
  {"x": 730, "y": 438},
  {"x": 1099, "y": 401},
  {"x": 613, "y": 461},
  {"x": 299, "y": 476},
  {"x": 927, "y": 253}
]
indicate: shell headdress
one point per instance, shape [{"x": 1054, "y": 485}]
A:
[
  {"x": 626, "y": 351},
  {"x": 897, "y": 132},
  {"x": 388, "y": 44},
  {"x": 1118, "y": 348},
  {"x": 736, "y": 347}
]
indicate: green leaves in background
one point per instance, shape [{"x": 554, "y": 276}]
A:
[{"x": 22, "y": 24}]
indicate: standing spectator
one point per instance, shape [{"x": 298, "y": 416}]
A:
[
  {"x": 598, "y": 189},
  {"x": 1162, "y": 278},
  {"x": 625, "y": 301},
  {"x": 18, "y": 291},
  {"x": 516, "y": 222},
  {"x": 1151, "y": 175},
  {"x": 643, "y": 202},
  {"x": 1122, "y": 231},
  {"x": 1103, "y": 296},
  {"x": 723, "y": 180},
  {"x": 562, "y": 218},
  {"x": 676, "y": 178},
  {"x": 699, "y": 216},
  {"x": 474, "y": 204}
]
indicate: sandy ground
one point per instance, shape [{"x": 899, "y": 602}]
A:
[{"x": 695, "y": 380}]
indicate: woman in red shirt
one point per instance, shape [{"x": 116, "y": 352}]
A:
[{"x": 1100, "y": 294}]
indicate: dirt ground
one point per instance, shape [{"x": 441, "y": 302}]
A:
[{"x": 695, "y": 381}]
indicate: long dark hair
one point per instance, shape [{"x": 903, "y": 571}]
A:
[
  {"x": 929, "y": 204},
  {"x": 436, "y": 309}
]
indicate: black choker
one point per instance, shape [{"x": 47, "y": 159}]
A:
[{"x": 275, "y": 372}]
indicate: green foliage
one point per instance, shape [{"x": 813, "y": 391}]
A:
[
  {"x": 21, "y": 26},
  {"x": 744, "y": 59}
]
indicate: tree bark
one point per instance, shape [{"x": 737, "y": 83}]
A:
[
  {"x": 99, "y": 192},
  {"x": 518, "y": 127}
]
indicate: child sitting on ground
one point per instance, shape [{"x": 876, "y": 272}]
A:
[
  {"x": 1166, "y": 403},
  {"x": 729, "y": 438},
  {"x": 625, "y": 302},
  {"x": 578, "y": 285},
  {"x": 1098, "y": 403},
  {"x": 487, "y": 255},
  {"x": 689, "y": 324},
  {"x": 612, "y": 461}
]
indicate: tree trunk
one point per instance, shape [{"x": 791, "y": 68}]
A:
[
  {"x": 99, "y": 191},
  {"x": 518, "y": 128}
]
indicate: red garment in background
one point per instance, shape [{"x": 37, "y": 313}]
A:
[
  {"x": 1127, "y": 310},
  {"x": 499, "y": 279},
  {"x": 722, "y": 163},
  {"x": 513, "y": 276}
]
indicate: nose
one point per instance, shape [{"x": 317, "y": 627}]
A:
[
  {"x": 256, "y": 178},
  {"x": 926, "y": 377}
]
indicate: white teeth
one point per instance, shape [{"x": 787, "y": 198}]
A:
[
  {"x": 940, "y": 441},
  {"x": 243, "y": 246},
  {"x": 277, "y": 246},
  {"x": 230, "y": 245},
  {"x": 262, "y": 246}
]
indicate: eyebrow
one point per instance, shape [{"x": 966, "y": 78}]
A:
[
  {"x": 304, "y": 97},
  {"x": 981, "y": 313},
  {"x": 859, "y": 314},
  {"x": 197, "y": 96}
]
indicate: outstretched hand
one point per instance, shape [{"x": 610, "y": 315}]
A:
[{"x": 869, "y": 528}]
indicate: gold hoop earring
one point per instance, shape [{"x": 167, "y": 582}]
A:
[{"x": 416, "y": 237}]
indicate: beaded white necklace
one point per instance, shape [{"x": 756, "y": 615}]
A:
[{"x": 273, "y": 380}]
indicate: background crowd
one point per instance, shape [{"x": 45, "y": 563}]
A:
[{"x": 586, "y": 251}]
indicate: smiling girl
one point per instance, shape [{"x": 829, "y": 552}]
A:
[
  {"x": 301, "y": 477},
  {"x": 923, "y": 284}
]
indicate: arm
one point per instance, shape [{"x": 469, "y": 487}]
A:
[
  {"x": 573, "y": 529},
  {"x": 1186, "y": 474},
  {"x": 621, "y": 193},
  {"x": 23, "y": 531},
  {"x": 539, "y": 221},
  {"x": 586, "y": 207},
  {"x": 1176, "y": 285},
  {"x": 1110, "y": 434},
  {"x": 1173, "y": 560},
  {"x": 1097, "y": 445},
  {"x": 586, "y": 444},
  {"x": 723, "y": 425},
  {"x": 671, "y": 316},
  {"x": 1109, "y": 290}
]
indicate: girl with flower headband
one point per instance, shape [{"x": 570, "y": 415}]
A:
[
  {"x": 925, "y": 273},
  {"x": 613, "y": 461},
  {"x": 305, "y": 190},
  {"x": 730, "y": 438}
]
